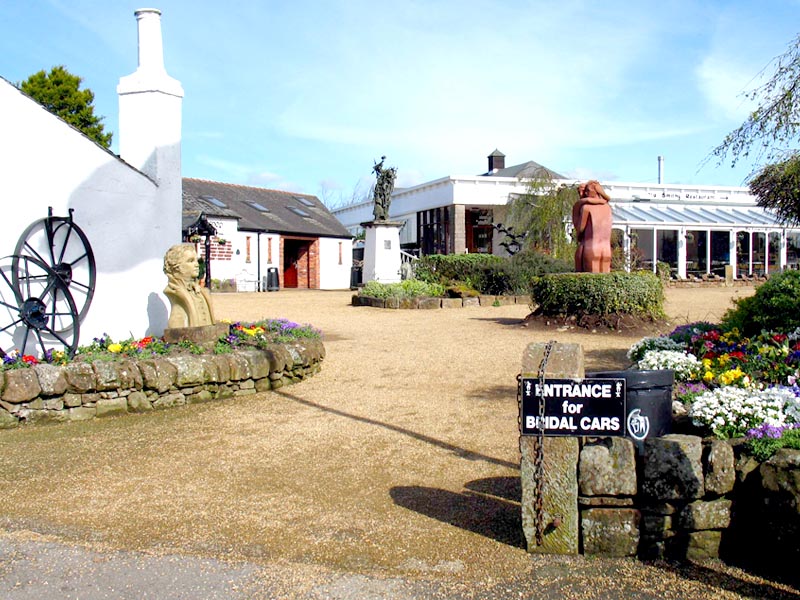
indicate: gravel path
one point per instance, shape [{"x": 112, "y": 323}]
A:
[{"x": 393, "y": 473}]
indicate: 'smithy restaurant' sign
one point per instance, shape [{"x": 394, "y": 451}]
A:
[{"x": 587, "y": 407}]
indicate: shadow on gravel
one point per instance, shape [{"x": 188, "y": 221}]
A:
[
  {"x": 457, "y": 450},
  {"x": 489, "y": 507},
  {"x": 715, "y": 576}
]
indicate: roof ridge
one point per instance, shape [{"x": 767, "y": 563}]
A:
[{"x": 250, "y": 187}]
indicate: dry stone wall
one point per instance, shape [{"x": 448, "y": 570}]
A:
[{"x": 78, "y": 391}]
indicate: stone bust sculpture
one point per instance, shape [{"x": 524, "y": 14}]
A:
[
  {"x": 591, "y": 216},
  {"x": 384, "y": 186},
  {"x": 190, "y": 304}
]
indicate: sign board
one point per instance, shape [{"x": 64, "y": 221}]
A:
[{"x": 590, "y": 407}]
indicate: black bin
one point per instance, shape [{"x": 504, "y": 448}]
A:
[
  {"x": 273, "y": 283},
  {"x": 355, "y": 277},
  {"x": 649, "y": 402}
]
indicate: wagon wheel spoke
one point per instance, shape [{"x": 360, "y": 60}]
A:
[
  {"x": 37, "y": 311},
  {"x": 61, "y": 245}
]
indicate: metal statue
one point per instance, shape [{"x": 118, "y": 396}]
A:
[{"x": 384, "y": 186}]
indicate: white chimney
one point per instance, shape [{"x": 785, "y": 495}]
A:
[
  {"x": 150, "y": 103},
  {"x": 150, "y": 107},
  {"x": 660, "y": 169}
]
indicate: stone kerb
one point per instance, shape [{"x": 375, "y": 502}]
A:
[
  {"x": 425, "y": 303},
  {"x": 78, "y": 391}
]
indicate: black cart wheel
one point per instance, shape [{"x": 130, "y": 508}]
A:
[
  {"x": 61, "y": 245},
  {"x": 37, "y": 312}
]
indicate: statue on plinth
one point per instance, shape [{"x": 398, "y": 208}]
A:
[
  {"x": 591, "y": 216},
  {"x": 190, "y": 303},
  {"x": 384, "y": 186}
]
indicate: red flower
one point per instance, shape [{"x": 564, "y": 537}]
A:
[
  {"x": 779, "y": 337},
  {"x": 31, "y": 360},
  {"x": 737, "y": 354}
]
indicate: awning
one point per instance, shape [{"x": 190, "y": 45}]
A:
[{"x": 649, "y": 214}]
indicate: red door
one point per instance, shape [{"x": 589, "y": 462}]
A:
[{"x": 290, "y": 275}]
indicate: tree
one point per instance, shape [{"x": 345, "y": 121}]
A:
[
  {"x": 59, "y": 92},
  {"x": 544, "y": 212},
  {"x": 771, "y": 132}
]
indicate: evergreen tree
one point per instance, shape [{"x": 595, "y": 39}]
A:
[{"x": 59, "y": 92}]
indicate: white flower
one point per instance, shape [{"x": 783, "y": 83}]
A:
[
  {"x": 638, "y": 350},
  {"x": 682, "y": 363},
  {"x": 733, "y": 410}
]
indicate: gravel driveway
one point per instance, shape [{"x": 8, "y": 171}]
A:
[{"x": 393, "y": 473}]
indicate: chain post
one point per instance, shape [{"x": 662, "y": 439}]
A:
[{"x": 538, "y": 460}]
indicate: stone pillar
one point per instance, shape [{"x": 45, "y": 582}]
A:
[
  {"x": 382, "y": 251},
  {"x": 458, "y": 224},
  {"x": 560, "y": 483}
]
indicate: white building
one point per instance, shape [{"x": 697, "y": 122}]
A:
[
  {"x": 129, "y": 206},
  {"x": 697, "y": 230},
  {"x": 292, "y": 235}
]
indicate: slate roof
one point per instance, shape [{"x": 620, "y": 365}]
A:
[
  {"x": 526, "y": 169},
  {"x": 260, "y": 209}
]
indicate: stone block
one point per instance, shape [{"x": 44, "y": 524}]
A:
[
  {"x": 700, "y": 515},
  {"x": 610, "y": 531},
  {"x": 111, "y": 406},
  {"x": 375, "y": 302},
  {"x": 201, "y": 396},
  {"x": 279, "y": 358},
  {"x": 486, "y": 300},
  {"x": 115, "y": 375},
  {"x": 259, "y": 363},
  {"x": 719, "y": 467},
  {"x": 781, "y": 473},
  {"x": 297, "y": 358},
  {"x": 190, "y": 370},
  {"x": 264, "y": 385},
  {"x": 139, "y": 402},
  {"x": 51, "y": 379},
  {"x": 392, "y": 303},
  {"x": 169, "y": 400},
  {"x": 452, "y": 303},
  {"x": 72, "y": 400},
  {"x": 522, "y": 300},
  {"x": 703, "y": 545},
  {"x": 409, "y": 303},
  {"x": 505, "y": 300},
  {"x": 158, "y": 374},
  {"x": 7, "y": 420},
  {"x": 81, "y": 413},
  {"x": 560, "y": 483},
  {"x": 473, "y": 301},
  {"x": 43, "y": 417},
  {"x": 608, "y": 468},
  {"x": 604, "y": 501},
  {"x": 430, "y": 303},
  {"x": 22, "y": 385},
  {"x": 206, "y": 335},
  {"x": 53, "y": 404},
  {"x": 672, "y": 467},
  {"x": 80, "y": 377}
]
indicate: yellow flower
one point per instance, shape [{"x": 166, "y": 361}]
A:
[
  {"x": 115, "y": 348},
  {"x": 707, "y": 363},
  {"x": 708, "y": 377},
  {"x": 723, "y": 360}
]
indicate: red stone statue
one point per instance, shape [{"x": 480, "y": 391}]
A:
[{"x": 591, "y": 216}]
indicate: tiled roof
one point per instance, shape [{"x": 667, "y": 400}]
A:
[
  {"x": 260, "y": 209},
  {"x": 527, "y": 169}
]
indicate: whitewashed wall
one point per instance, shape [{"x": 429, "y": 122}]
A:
[
  {"x": 333, "y": 273},
  {"x": 45, "y": 163}
]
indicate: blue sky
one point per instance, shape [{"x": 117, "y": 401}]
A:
[{"x": 305, "y": 95}]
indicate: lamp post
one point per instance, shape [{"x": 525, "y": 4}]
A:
[{"x": 202, "y": 227}]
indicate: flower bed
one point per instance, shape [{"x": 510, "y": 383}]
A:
[
  {"x": 108, "y": 377},
  {"x": 733, "y": 386}
]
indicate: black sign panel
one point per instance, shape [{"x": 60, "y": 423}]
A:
[{"x": 591, "y": 407}]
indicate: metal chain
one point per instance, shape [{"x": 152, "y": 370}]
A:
[{"x": 538, "y": 459}]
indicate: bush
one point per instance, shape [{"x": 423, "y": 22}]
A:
[
  {"x": 446, "y": 269},
  {"x": 409, "y": 288},
  {"x": 602, "y": 294},
  {"x": 774, "y": 307}
]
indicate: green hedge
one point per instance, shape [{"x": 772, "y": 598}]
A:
[
  {"x": 640, "y": 293},
  {"x": 774, "y": 307},
  {"x": 409, "y": 288},
  {"x": 487, "y": 273}
]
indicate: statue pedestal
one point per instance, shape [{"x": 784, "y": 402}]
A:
[{"x": 382, "y": 251}]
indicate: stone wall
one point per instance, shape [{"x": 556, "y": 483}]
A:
[
  {"x": 684, "y": 497},
  {"x": 430, "y": 303},
  {"x": 46, "y": 393}
]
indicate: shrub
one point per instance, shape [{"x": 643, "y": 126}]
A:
[
  {"x": 766, "y": 440},
  {"x": 775, "y": 306},
  {"x": 603, "y": 294},
  {"x": 447, "y": 268},
  {"x": 409, "y": 288}
]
